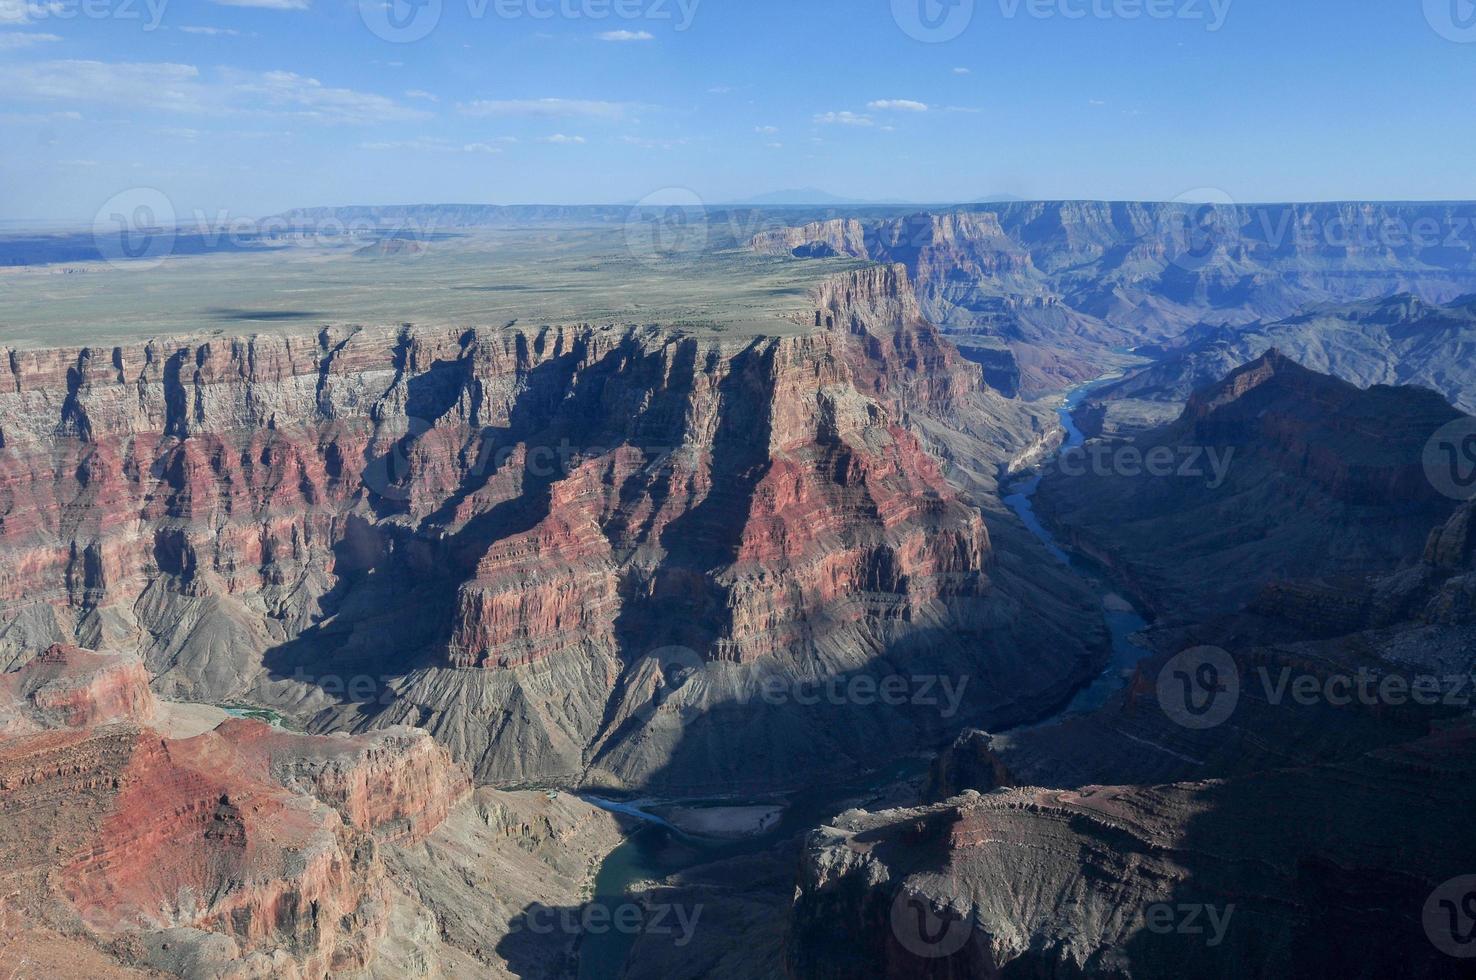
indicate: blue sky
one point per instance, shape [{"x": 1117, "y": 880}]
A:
[{"x": 259, "y": 105}]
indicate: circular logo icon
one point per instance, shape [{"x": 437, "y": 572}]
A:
[
  {"x": 1197, "y": 225},
  {"x": 1454, "y": 20},
  {"x": 1199, "y": 688},
  {"x": 1450, "y": 459},
  {"x": 1450, "y": 917},
  {"x": 400, "y": 21},
  {"x": 667, "y": 226},
  {"x": 927, "y": 932},
  {"x": 676, "y": 664},
  {"x": 135, "y": 229},
  {"x": 386, "y": 475},
  {"x": 933, "y": 21}
]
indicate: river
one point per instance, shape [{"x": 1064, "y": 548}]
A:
[{"x": 658, "y": 849}]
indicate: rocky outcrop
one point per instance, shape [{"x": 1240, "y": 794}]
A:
[
  {"x": 1275, "y": 474},
  {"x": 71, "y": 687},
  {"x": 1399, "y": 339},
  {"x": 495, "y": 534},
  {"x": 245, "y": 851},
  {"x": 1064, "y": 286},
  {"x": 1142, "y": 841}
]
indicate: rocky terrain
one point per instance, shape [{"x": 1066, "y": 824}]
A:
[
  {"x": 1274, "y": 473},
  {"x": 1275, "y": 793},
  {"x": 248, "y": 851},
  {"x": 1047, "y": 294},
  {"x": 1395, "y": 340},
  {"x": 573, "y": 554}
]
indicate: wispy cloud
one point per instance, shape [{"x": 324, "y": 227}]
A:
[
  {"x": 897, "y": 105},
  {"x": 962, "y": 71},
  {"x": 416, "y": 93},
  {"x": 547, "y": 108},
  {"x": 843, "y": 119},
  {"x": 171, "y": 87},
  {"x": 307, "y": 97},
  {"x": 561, "y": 139},
  {"x": 627, "y": 36},
  {"x": 13, "y": 40},
  {"x": 429, "y": 144},
  {"x": 212, "y": 31},
  {"x": 766, "y": 130}
]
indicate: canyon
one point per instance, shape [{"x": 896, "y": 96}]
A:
[{"x": 373, "y": 649}]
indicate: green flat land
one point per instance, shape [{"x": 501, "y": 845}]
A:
[{"x": 473, "y": 278}]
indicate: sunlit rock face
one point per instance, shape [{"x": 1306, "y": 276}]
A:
[{"x": 502, "y": 535}]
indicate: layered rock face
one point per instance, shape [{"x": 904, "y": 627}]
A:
[
  {"x": 1060, "y": 286},
  {"x": 244, "y": 851},
  {"x": 1273, "y": 792},
  {"x": 526, "y": 541},
  {"x": 1275, "y": 473},
  {"x": 1399, "y": 339}
]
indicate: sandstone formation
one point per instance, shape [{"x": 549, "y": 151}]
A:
[
  {"x": 249, "y": 851},
  {"x": 572, "y": 553},
  {"x": 1053, "y": 291}
]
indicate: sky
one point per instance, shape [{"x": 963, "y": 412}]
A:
[{"x": 249, "y": 107}]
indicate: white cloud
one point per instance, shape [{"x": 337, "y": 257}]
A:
[
  {"x": 962, "y": 71},
  {"x": 416, "y": 93},
  {"x": 897, "y": 105},
  {"x": 310, "y": 98},
  {"x": 720, "y": 90},
  {"x": 169, "y": 87},
  {"x": 561, "y": 139},
  {"x": 212, "y": 31},
  {"x": 429, "y": 144},
  {"x": 627, "y": 36},
  {"x": 775, "y": 146},
  {"x": 1095, "y": 102},
  {"x": 842, "y": 119},
  {"x": 546, "y": 108},
  {"x": 13, "y": 40},
  {"x": 766, "y": 130}
]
